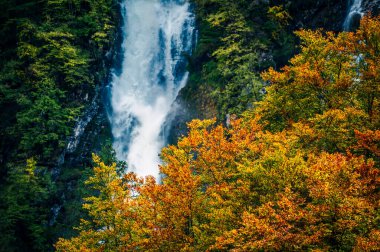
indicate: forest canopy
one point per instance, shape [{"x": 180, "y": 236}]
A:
[
  {"x": 297, "y": 172},
  {"x": 290, "y": 161},
  {"x": 52, "y": 59}
]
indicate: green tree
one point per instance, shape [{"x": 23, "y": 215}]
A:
[{"x": 23, "y": 197}]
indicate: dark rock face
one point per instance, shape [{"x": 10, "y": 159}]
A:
[
  {"x": 96, "y": 131},
  {"x": 178, "y": 127},
  {"x": 355, "y": 22},
  {"x": 326, "y": 14},
  {"x": 372, "y": 6},
  {"x": 313, "y": 14},
  {"x": 95, "y": 134}
]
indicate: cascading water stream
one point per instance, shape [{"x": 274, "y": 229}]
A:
[
  {"x": 157, "y": 35},
  {"x": 355, "y": 11}
]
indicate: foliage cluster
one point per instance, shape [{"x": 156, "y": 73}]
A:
[
  {"x": 51, "y": 59},
  {"x": 238, "y": 39},
  {"x": 299, "y": 172}
]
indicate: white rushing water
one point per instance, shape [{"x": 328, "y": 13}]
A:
[
  {"x": 354, "y": 11},
  {"x": 157, "y": 35}
]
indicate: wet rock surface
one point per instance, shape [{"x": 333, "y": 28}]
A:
[{"x": 372, "y": 6}]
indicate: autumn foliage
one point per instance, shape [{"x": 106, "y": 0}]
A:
[{"x": 300, "y": 172}]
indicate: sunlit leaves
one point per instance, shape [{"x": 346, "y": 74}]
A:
[
  {"x": 237, "y": 188},
  {"x": 298, "y": 173},
  {"x": 331, "y": 87}
]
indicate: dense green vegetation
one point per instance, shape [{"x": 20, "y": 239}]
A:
[
  {"x": 238, "y": 39},
  {"x": 51, "y": 60}
]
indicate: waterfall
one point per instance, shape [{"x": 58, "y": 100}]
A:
[
  {"x": 157, "y": 36},
  {"x": 355, "y": 13}
]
